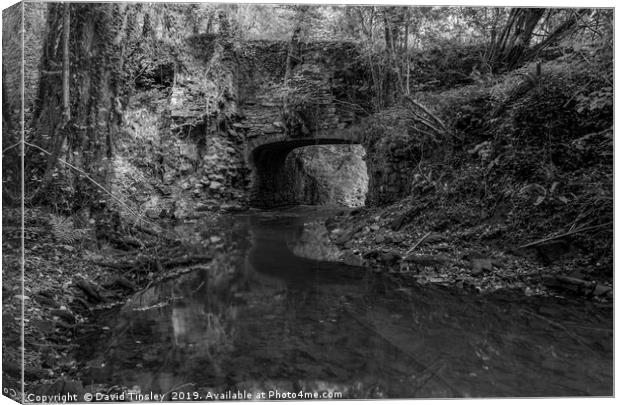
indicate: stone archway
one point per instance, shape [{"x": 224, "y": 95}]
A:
[{"x": 273, "y": 183}]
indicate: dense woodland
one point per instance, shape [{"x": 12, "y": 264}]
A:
[
  {"x": 488, "y": 140},
  {"x": 90, "y": 59}
]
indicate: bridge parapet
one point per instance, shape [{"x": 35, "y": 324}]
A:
[
  {"x": 293, "y": 111},
  {"x": 320, "y": 94}
]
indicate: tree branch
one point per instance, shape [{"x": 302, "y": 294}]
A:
[{"x": 579, "y": 230}]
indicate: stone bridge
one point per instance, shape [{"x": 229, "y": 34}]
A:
[
  {"x": 250, "y": 111},
  {"x": 273, "y": 182},
  {"x": 317, "y": 105}
]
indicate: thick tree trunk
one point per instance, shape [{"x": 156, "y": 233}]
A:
[
  {"x": 515, "y": 37},
  {"x": 12, "y": 52},
  {"x": 79, "y": 111},
  {"x": 522, "y": 38}
]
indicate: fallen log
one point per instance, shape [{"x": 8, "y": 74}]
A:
[
  {"x": 563, "y": 235},
  {"x": 153, "y": 262},
  {"x": 186, "y": 260},
  {"x": 572, "y": 284}
]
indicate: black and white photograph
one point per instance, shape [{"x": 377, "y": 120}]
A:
[{"x": 306, "y": 201}]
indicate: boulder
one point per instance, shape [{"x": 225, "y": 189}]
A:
[
  {"x": 352, "y": 259},
  {"x": 389, "y": 258}
]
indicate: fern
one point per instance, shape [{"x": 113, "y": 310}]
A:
[{"x": 65, "y": 231}]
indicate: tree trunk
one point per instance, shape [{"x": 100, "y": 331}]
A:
[
  {"x": 66, "y": 29},
  {"x": 81, "y": 107},
  {"x": 560, "y": 32},
  {"x": 406, "y": 53},
  {"x": 522, "y": 40},
  {"x": 515, "y": 37},
  {"x": 293, "y": 57}
]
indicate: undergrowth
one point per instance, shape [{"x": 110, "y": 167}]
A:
[{"x": 530, "y": 153}]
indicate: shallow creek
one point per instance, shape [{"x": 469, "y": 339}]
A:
[{"x": 276, "y": 311}]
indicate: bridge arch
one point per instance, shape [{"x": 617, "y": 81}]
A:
[{"x": 273, "y": 184}]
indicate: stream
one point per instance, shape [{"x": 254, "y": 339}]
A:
[{"x": 277, "y": 312}]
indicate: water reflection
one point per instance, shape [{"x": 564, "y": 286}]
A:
[{"x": 262, "y": 317}]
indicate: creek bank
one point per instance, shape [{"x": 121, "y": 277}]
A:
[
  {"x": 71, "y": 273},
  {"x": 399, "y": 239},
  {"x": 512, "y": 189}
]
